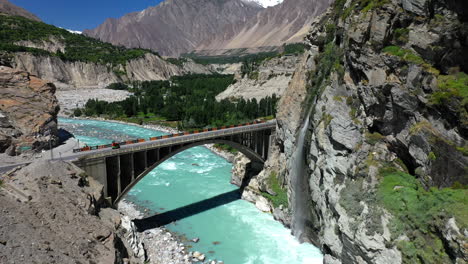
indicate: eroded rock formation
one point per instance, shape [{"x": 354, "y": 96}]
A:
[
  {"x": 28, "y": 111},
  {"x": 385, "y": 85}
]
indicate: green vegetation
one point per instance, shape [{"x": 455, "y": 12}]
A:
[
  {"x": 1, "y": 183},
  {"x": 118, "y": 86},
  {"x": 281, "y": 197},
  {"x": 374, "y": 138},
  {"x": 293, "y": 49},
  {"x": 432, "y": 156},
  {"x": 417, "y": 212},
  {"x": 406, "y": 55},
  {"x": 177, "y": 61},
  {"x": 77, "y": 47},
  {"x": 328, "y": 61},
  {"x": 401, "y": 35},
  {"x": 205, "y": 60},
  {"x": 451, "y": 87},
  {"x": 410, "y": 57},
  {"x": 452, "y": 95},
  {"x": 357, "y": 5},
  {"x": 188, "y": 101},
  {"x": 226, "y": 148}
]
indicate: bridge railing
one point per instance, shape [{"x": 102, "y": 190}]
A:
[{"x": 140, "y": 140}]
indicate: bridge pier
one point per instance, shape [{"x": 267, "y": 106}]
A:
[
  {"x": 140, "y": 162},
  {"x": 97, "y": 169},
  {"x": 113, "y": 177},
  {"x": 127, "y": 173}
]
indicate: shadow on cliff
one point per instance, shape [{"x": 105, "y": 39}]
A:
[{"x": 186, "y": 211}]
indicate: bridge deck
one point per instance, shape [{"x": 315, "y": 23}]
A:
[{"x": 176, "y": 140}]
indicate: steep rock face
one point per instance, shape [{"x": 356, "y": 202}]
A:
[
  {"x": 386, "y": 93},
  {"x": 28, "y": 110},
  {"x": 8, "y": 8},
  {"x": 51, "y": 212},
  {"x": 66, "y": 74},
  {"x": 271, "y": 77},
  {"x": 287, "y": 22},
  {"x": 175, "y": 26}
]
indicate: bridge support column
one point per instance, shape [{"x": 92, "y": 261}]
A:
[
  {"x": 126, "y": 171},
  {"x": 152, "y": 156},
  {"x": 140, "y": 162},
  {"x": 97, "y": 169},
  {"x": 113, "y": 177}
]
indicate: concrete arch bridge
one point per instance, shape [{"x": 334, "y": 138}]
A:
[{"x": 121, "y": 169}]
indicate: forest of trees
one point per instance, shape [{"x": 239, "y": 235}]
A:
[{"x": 188, "y": 99}]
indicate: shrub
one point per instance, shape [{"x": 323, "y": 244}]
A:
[
  {"x": 417, "y": 211},
  {"x": 374, "y": 138},
  {"x": 451, "y": 87},
  {"x": 281, "y": 197},
  {"x": 77, "y": 112}
]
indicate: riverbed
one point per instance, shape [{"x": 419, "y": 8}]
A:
[{"x": 233, "y": 231}]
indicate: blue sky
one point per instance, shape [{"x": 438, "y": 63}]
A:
[{"x": 81, "y": 14}]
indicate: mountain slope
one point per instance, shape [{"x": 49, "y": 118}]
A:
[
  {"x": 287, "y": 22},
  {"x": 8, "y": 8},
  {"x": 175, "y": 26},
  {"x": 69, "y": 59}
]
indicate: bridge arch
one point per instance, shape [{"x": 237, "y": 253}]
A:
[
  {"x": 248, "y": 152},
  {"x": 121, "y": 169}
]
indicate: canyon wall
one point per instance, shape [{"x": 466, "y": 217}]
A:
[
  {"x": 78, "y": 74},
  {"x": 384, "y": 86}
]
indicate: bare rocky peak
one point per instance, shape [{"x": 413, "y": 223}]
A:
[
  {"x": 8, "y": 8},
  {"x": 175, "y": 26},
  {"x": 287, "y": 22}
]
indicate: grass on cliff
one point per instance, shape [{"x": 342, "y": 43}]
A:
[
  {"x": 281, "y": 197},
  {"x": 419, "y": 213},
  {"x": 451, "y": 87}
]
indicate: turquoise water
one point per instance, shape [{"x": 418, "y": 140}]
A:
[{"x": 236, "y": 233}]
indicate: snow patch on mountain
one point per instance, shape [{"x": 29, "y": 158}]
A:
[{"x": 265, "y": 3}]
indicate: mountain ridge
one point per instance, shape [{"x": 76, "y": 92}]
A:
[
  {"x": 161, "y": 28},
  {"x": 175, "y": 27},
  {"x": 14, "y": 10}
]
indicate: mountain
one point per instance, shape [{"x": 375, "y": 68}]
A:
[
  {"x": 74, "y": 60},
  {"x": 10, "y": 9},
  {"x": 287, "y": 22},
  {"x": 175, "y": 26}
]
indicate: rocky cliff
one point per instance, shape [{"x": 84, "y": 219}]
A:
[
  {"x": 381, "y": 103},
  {"x": 80, "y": 74},
  {"x": 28, "y": 111},
  {"x": 8, "y": 8},
  {"x": 175, "y": 26},
  {"x": 271, "y": 77}
]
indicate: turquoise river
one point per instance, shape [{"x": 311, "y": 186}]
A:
[{"x": 236, "y": 233}]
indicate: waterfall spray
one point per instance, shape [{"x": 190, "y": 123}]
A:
[{"x": 300, "y": 185}]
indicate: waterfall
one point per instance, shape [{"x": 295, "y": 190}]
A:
[{"x": 300, "y": 186}]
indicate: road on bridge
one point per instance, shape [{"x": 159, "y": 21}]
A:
[{"x": 157, "y": 143}]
